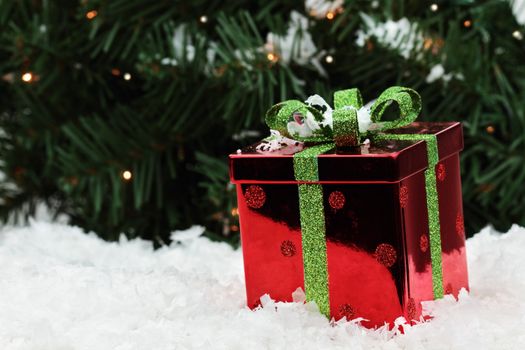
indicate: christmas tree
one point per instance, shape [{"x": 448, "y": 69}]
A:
[{"x": 121, "y": 113}]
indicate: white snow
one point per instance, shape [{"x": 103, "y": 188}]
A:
[
  {"x": 438, "y": 72},
  {"x": 62, "y": 289},
  {"x": 183, "y": 49},
  {"x": 518, "y": 9},
  {"x": 319, "y": 8},
  {"x": 401, "y": 35},
  {"x": 297, "y": 45}
]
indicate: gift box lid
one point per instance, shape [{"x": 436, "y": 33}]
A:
[{"x": 378, "y": 161}]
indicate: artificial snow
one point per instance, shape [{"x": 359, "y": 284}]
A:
[
  {"x": 62, "y": 289},
  {"x": 297, "y": 45},
  {"x": 319, "y": 8},
  {"x": 518, "y": 9},
  {"x": 401, "y": 35},
  {"x": 438, "y": 72}
]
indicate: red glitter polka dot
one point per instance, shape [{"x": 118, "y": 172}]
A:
[
  {"x": 403, "y": 196},
  {"x": 385, "y": 254},
  {"x": 411, "y": 309},
  {"x": 441, "y": 172},
  {"x": 460, "y": 225},
  {"x": 347, "y": 311},
  {"x": 423, "y": 243},
  {"x": 288, "y": 248},
  {"x": 336, "y": 200},
  {"x": 255, "y": 196}
]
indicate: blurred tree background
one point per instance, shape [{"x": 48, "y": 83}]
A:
[{"x": 121, "y": 113}]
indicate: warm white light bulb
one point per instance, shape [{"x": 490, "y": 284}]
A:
[
  {"x": 127, "y": 76},
  {"x": 329, "y": 59},
  {"x": 27, "y": 77},
  {"x": 272, "y": 57},
  {"x": 203, "y": 19},
  {"x": 434, "y": 7},
  {"x": 91, "y": 14},
  {"x": 127, "y": 175}
]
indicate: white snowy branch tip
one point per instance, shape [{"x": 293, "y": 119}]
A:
[
  {"x": 297, "y": 45},
  {"x": 401, "y": 34},
  {"x": 319, "y": 8},
  {"x": 518, "y": 8}
]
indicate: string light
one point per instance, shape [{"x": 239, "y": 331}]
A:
[
  {"x": 235, "y": 211},
  {"x": 272, "y": 57},
  {"x": 91, "y": 14},
  {"x": 127, "y": 175},
  {"x": 467, "y": 23},
  {"x": 329, "y": 59},
  {"x": 490, "y": 129},
  {"x": 127, "y": 76},
  {"x": 433, "y": 44},
  {"x": 427, "y": 43},
  {"x": 434, "y": 7},
  {"x": 517, "y": 35},
  {"x": 203, "y": 19},
  {"x": 330, "y": 15},
  {"x": 115, "y": 71},
  {"x": 27, "y": 77}
]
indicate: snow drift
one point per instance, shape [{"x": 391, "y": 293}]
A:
[{"x": 62, "y": 289}]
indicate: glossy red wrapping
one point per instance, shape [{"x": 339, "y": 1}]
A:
[{"x": 378, "y": 246}]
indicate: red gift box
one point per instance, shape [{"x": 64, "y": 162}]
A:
[{"x": 376, "y": 224}]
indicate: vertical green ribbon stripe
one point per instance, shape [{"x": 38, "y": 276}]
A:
[
  {"x": 432, "y": 204},
  {"x": 313, "y": 231},
  {"x": 305, "y": 162},
  {"x": 314, "y": 245}
]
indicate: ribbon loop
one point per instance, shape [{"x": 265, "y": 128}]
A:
[
  {"x": 296, "y": 120},
  {"x": 408, "y": 100},
  {"x": 348, "y": 98},
  {"x": 315, "y": 123}
]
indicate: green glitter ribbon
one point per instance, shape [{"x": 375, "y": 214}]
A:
[
  {"x": 409, "y": 103},
  {"x": 432, "y": 204},
  {"x": 344, "y": 133},
  {"x": 311, "y": 211}
]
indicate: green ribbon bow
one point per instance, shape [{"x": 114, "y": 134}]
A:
[
  {"x": 344, "y": 132},
  {"x": 345, "y": 129}
]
